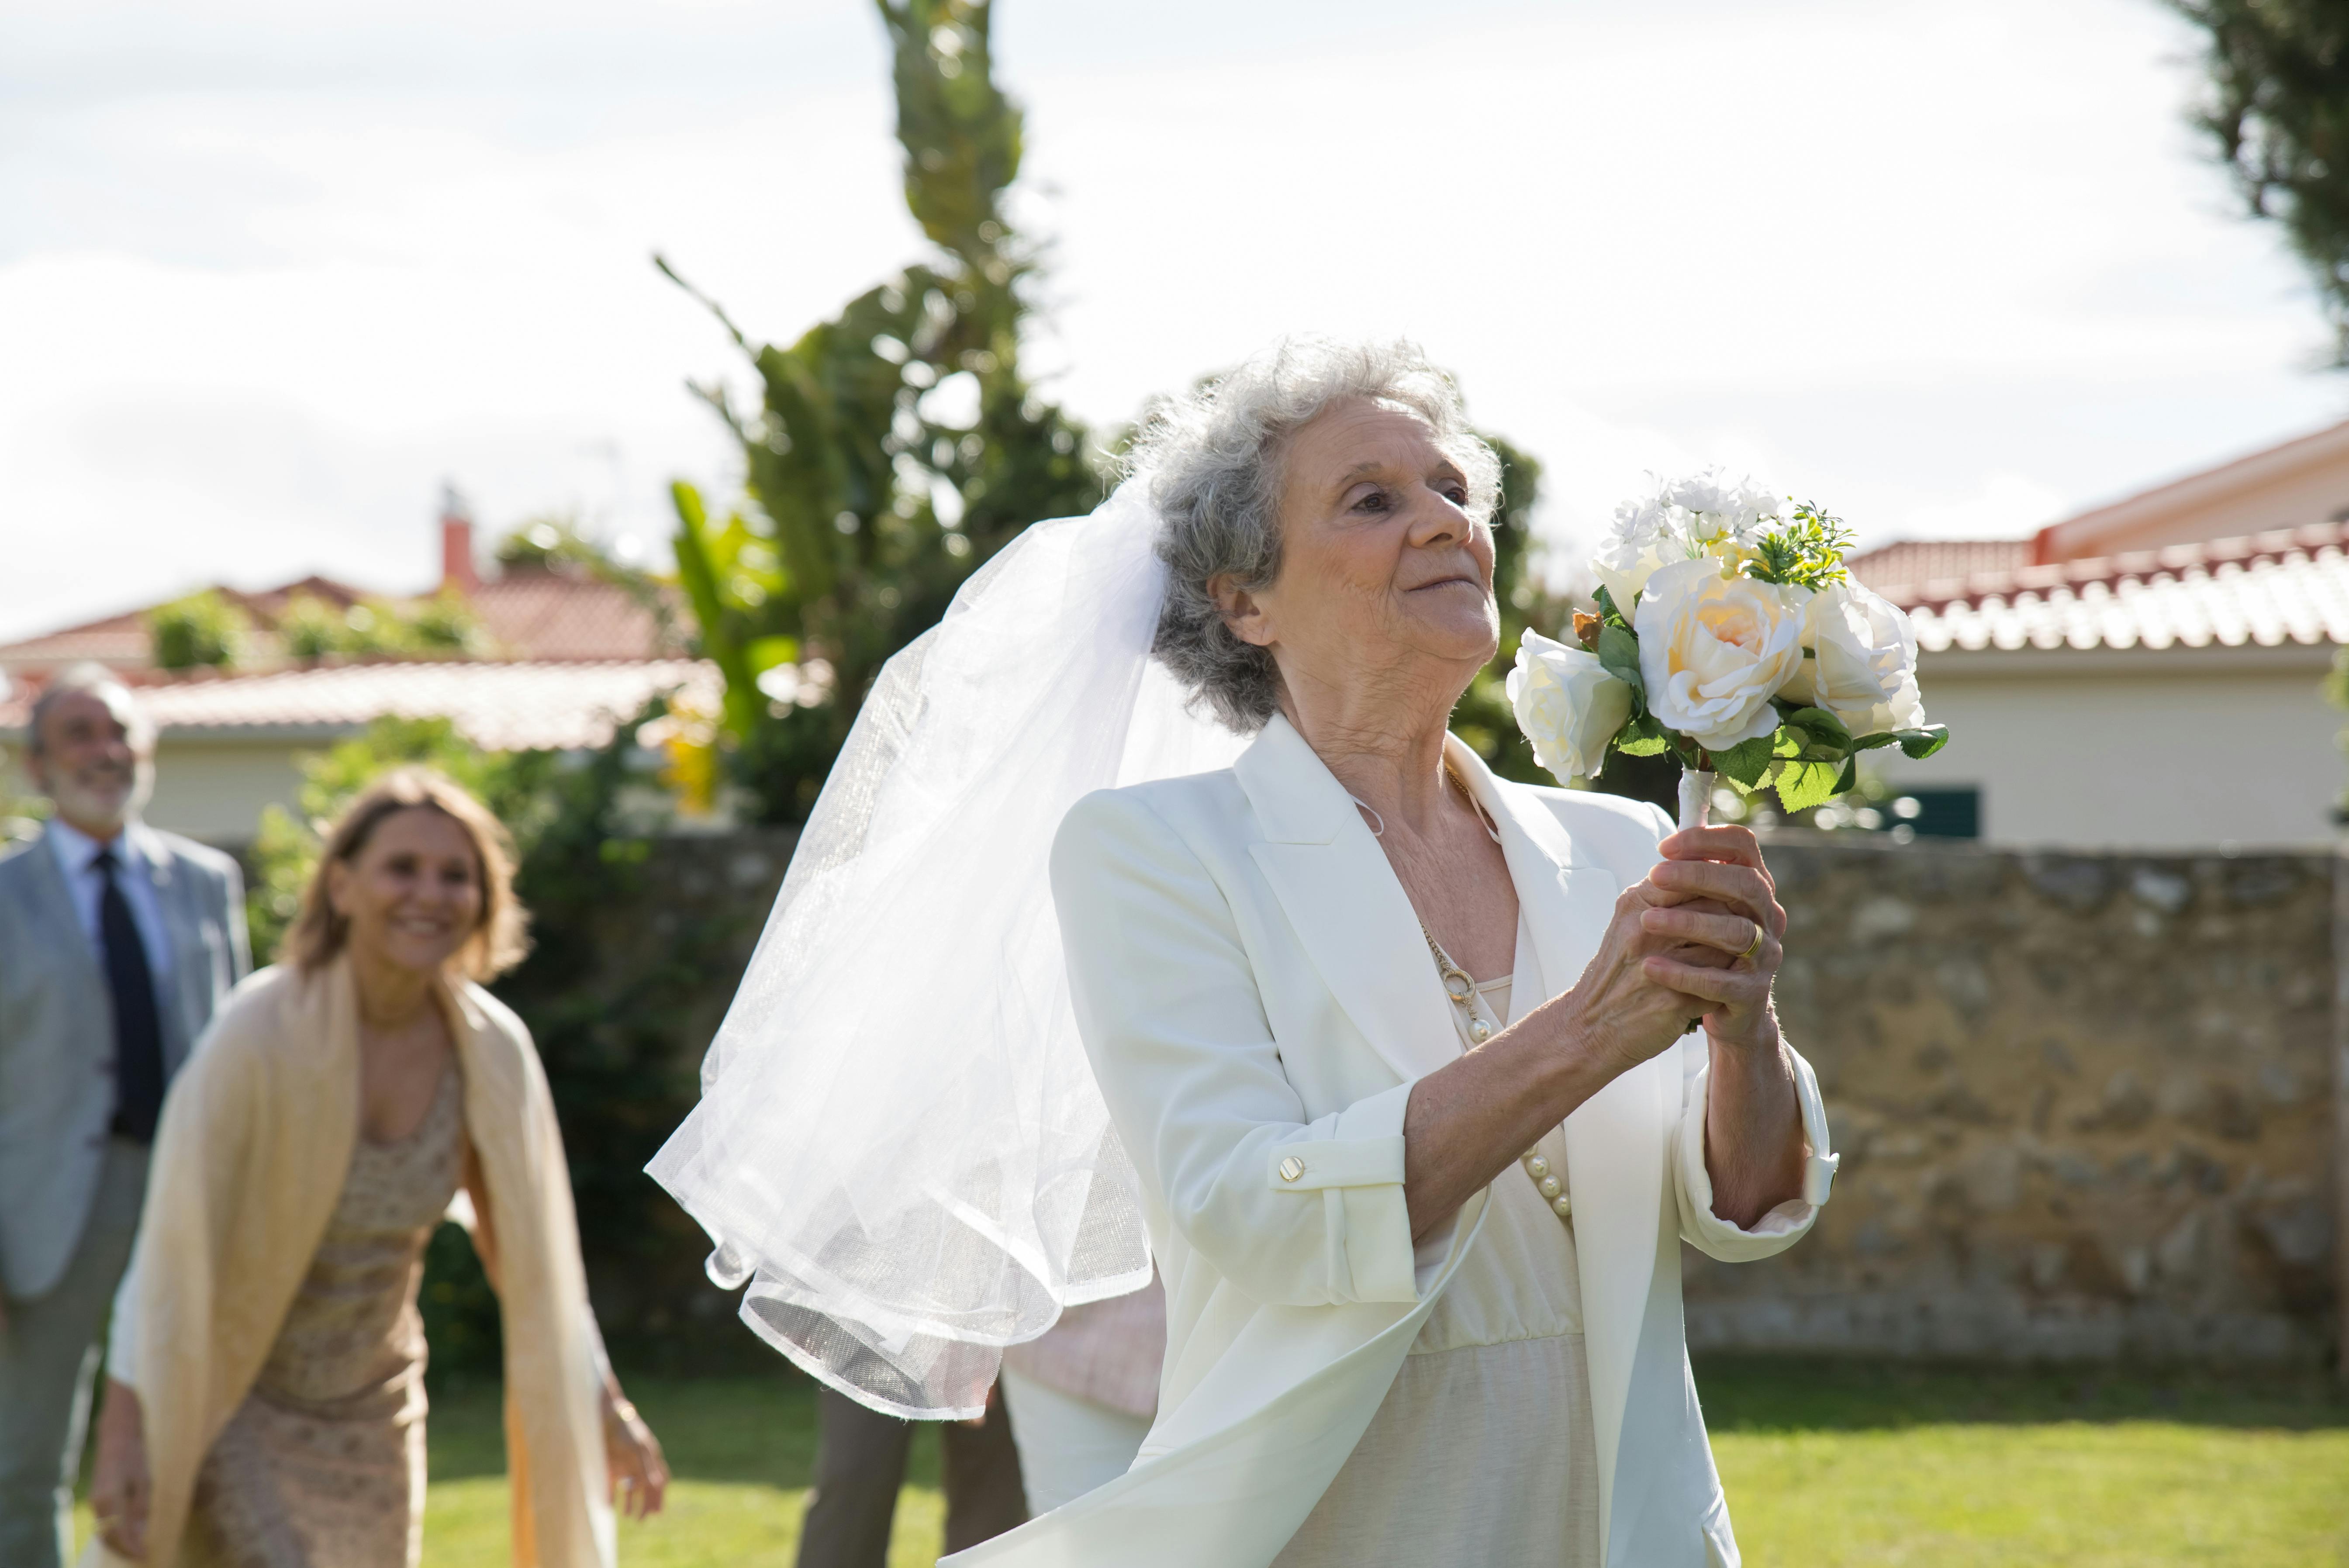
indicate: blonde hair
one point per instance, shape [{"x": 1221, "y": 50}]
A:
[{"x": 499, "y": 939}]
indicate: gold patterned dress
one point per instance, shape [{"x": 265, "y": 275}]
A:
[{"x": 322, "y": 1466}]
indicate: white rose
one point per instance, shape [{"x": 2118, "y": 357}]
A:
[
  {"x": 1714, "y": 650},
  {"x": 1864, "y": 667},
  {"x": 1567, "y": 705}
]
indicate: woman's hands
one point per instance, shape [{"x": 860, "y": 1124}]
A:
[
  {"x": 1677, "y": 949},
  {"x": 1713, "y": 893},
  {"x": 639, "y": 1473},
  {"x": 118, "y": 1485},
  {"x": 1708, "y": 899}
]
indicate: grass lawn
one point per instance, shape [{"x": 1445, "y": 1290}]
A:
[
  {"x": 1826, "y": 1465},
  {"x": 1839, "y": 1465}
]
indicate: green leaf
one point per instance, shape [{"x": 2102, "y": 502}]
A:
[
  {"x": 698, "y": 572},
  {"x": 1919, "y": 744},
  {"x": 1618, "y": 651},
  {"x": 1632, "y": 745},
  {"x": 1870, "y": 742},
  {"x": 1608, "y": 610},
  {"x": 1802, "y": 785},
  {"x": 1849, "y": 779},
  {"x": 1746, "y": 762},
  {"x": 765, "y": 653},
  {"x": 1822, "y": 726}
]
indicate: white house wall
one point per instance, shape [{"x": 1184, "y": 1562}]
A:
[
  {"x": 214, "y": 789},
  {"x": 2179, "y": 748}
]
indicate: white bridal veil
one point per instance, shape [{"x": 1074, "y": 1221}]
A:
[{"x": 899, "y": 1146}]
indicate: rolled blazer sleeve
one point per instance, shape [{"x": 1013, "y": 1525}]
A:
[
  {"x": 1295, "y": 1211},
  {"x": 1782, "y": 1226}
]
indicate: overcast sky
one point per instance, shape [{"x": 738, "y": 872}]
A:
[{"x": 271, "y": 271}]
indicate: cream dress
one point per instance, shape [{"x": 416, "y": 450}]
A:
[
  {"x": 322, "y": 1466},
  {"x": 1482, "y": 1450}
]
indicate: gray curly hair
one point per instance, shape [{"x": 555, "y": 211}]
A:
[{"x": 1213, "y": 462}]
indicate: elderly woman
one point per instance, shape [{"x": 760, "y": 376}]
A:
[
  {"x": 1402, "y": 1050},
  {"x": 265, "y": 1407},
  {"x": 1399, "y": 1075}
]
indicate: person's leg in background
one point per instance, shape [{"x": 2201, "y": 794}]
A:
[
  {"x": 984, "y": 1497},
  {"x": 49, "y": 1360},
  {"x": 860, "y": 1463},
  {"x": 1068, "y": 1444}
]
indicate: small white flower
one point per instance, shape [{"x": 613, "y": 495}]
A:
[
  {"x": 1865, "y": 671},
  {"x": 1567, "y": 705},
  {"x": 1646, "y": 535},
  {"x": 1721, "y": 507},
  {"x": 1705, "y": 513},
  {"x": 1714, "y": 650}
]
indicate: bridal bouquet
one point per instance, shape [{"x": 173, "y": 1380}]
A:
[{"x": 1729, "y": 634}]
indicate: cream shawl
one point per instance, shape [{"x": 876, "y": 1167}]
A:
[{"x": 249, "y": 1162}]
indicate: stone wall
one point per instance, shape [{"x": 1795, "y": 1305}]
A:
[{"x": 2085, "y": 1103}]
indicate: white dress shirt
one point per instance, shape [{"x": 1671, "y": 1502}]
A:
[{"x": 76, "y": 851}]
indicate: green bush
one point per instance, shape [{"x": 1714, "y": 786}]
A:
[
  {"x": 201, "y": 631},
  {"x": 313, "y": 628}
]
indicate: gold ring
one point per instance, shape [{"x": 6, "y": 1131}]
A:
[{"x": 1754, "y": 946}]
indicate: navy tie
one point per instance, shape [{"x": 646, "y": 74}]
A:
[{"x": 137, "y": 1026}]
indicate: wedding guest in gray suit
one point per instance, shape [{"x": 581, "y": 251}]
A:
[{"x": 116, "y": 943}]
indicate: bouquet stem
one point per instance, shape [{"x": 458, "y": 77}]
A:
[{"x": 1696, "y": 797}]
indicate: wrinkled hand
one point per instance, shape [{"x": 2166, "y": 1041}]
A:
[
  {"x": 1626, "y": 1008},
  {"x": 118, "y": 1487},
  {"x": 1707, "y": 897},
  {"x": 639, "y": 1473}
]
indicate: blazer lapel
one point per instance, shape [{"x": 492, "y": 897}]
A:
[
  {"x": 1352, "y": 914},
  {"x": 1615, "y": 1139},
  {"x": 61, "y": 918}
]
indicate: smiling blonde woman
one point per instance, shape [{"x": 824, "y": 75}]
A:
[{"x": 266, "y": 1402}]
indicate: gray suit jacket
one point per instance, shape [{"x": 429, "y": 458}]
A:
[{"x": 57, "y": 1033}]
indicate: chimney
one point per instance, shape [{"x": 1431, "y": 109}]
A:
[{"x": 457, "y": 572}]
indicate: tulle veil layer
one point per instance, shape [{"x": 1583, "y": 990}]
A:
[{"x": 899, "y": 1147}]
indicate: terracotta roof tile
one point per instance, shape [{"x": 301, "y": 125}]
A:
[
  {"x": 540, "y": 615},
  {"x": 500, "y": 706},
  {"x": 1925, "y": 560},
  {"x": 2268, "y": 590},
  {"x": 534, "y": 614}
]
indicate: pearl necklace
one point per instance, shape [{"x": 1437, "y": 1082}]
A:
[{"x": 1461, "y": 987}]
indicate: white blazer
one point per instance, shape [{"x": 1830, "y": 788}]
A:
[{"x": 1253, "y": 990}]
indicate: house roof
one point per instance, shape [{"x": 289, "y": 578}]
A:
[
  {"x": 2293, "y": 484},
  {"x": 500, "y": 706},
  {"x": 2268, "y": 590},
  {"x": 539, "y": 614},
  {"x": 1929, "y": 559},
  {"x": 120, "y": 641},
  {"x": 534, "y": 614}
]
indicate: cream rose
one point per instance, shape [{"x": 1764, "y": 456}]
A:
[
  {"x": 1863, "y": 670},
  {"x": 1567, "y": 705},
  {"x": 1714, "y": 650}
]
